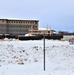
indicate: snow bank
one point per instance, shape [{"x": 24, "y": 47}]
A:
[{"x": 26, "y": 58}]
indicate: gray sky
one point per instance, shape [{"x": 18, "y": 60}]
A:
[{"x": 57, "y": 13}]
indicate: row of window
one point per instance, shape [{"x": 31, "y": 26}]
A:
[
  {"x": 24, "y": 26},
  {"x": 34, "y": 26},
  {"x": 39, "y": 32},
  {"x": 21, "y": 22},
  {"x": 14, "y": 30},
  {"x": 18, "y": 26},
  {"x": 17, "y": 30}
]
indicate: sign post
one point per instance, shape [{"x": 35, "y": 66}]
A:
[{"x": 44, "y": 50}]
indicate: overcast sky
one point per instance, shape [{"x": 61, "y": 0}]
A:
[{"x": 57, "y": 13}]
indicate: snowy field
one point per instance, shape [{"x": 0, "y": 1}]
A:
[{"x": 26, "y": 58}]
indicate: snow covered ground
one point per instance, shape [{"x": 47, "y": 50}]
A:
[{"x": 26, "y": 58}]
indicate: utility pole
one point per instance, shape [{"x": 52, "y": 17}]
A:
[{"x": 47, "y": 26}]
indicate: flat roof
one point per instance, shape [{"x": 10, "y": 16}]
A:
[{"x": 15, "y": 19}]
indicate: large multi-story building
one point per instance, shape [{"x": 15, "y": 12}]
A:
[{"x": 17, "y": 27}]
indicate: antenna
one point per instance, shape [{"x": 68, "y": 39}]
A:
[
  {"x": 50, "y": 30},
  {"x": 47, "y": 26}
]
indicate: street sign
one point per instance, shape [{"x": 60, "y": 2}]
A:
[{"x": 71, "y": 41}]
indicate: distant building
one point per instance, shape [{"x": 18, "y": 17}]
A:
[
  {"x": 41, "y": 32},
  {"x": 21, "y": 27},
  {"x": 17, "y": 27}
]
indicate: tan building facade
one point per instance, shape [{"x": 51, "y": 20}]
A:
[
  {"x": 41, "y": 32},
  {"x": 17, "y": 27}
]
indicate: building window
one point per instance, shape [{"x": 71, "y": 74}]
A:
[
  {"x": 19, "y": 21},
  {"x": 48, "y": 31},
  {"x": 26, "y": 21},
  {"x": 2, "y": 20},
  {"x": 35, "y": 22},
  {"x": 33, "y": 26}
]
